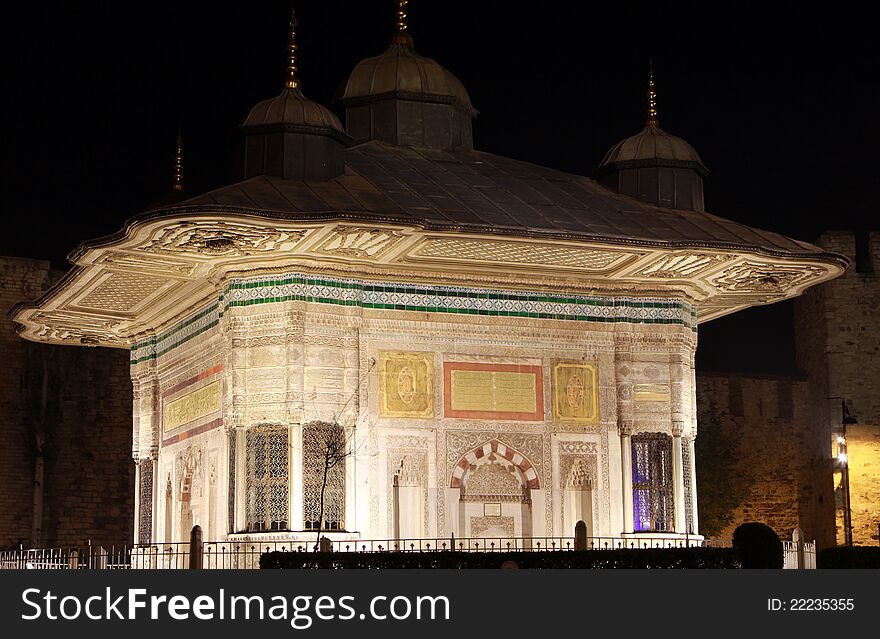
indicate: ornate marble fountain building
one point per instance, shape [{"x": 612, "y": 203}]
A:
[{"x": 504, "y": 349}]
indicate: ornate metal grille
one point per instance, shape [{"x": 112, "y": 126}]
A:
[
  {"x": 324, "y": 451},
  {"x": 652, "y": 482},
  {"x": 688, "y": 494},
  {"x": 145, "y": 502},
  {"x": 267, "y": 473},
  {"x": 230, "y": 501}
]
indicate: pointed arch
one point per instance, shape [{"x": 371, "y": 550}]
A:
[{"x": 509, "y": 453}]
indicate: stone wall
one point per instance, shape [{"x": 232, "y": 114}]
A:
[
  {"x": 88, "y": 476},
  {"x": 784, "y": 450},
  {"x": 837, "y": 331},
  {"x": 863, "y": 450},
  {"x": 19, "y": 279}
]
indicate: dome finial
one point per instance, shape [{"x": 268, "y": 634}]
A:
[
  {"x": 292, "y": 81},
  {"x": 652, "y": 98},
  {"x": 178, "y": 164},
  {"x": 401, "y": 36}
]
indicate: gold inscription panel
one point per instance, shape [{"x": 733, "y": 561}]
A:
[
  {"x": 192, "y": 406},
  {"x": 483, "y": 390},
  {"x": 650, "y": 392},
  {"x": 497, "y": 391},
  {"x": 575, "y": 392},
  {"x": 406, "y": 384}
]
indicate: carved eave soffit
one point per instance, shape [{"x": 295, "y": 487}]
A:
[{"x": 124, "y": 289}]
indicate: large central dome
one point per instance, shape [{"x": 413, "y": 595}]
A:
[
  {"x": 403, "y": 98},
  {"x": 401, "y": 70}
]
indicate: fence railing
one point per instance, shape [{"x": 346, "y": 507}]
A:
[
  {"x": 246, "y": 554},
  {"x": 798, "y": 554}
]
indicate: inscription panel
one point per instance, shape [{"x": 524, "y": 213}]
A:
[
  {"x": 406, "y": 384},
  {"x": 192, "y": 406},
  {"x": 575, "y": 392},
  {"x": 651, "y": 392},
  {"x": 493, "y": 391}
]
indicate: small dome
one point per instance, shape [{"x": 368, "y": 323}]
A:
[
  {"x": 291, "y": 107},
  {"x": 400, "y": 70},
  {"x": 651, "y": 144}
]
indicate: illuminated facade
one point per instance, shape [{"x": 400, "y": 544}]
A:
[{"x": 499, "y": 349}]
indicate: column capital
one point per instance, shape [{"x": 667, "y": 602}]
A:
[
  {"x": 625, "y": 427},
  {"x": 677, "y": 427}
]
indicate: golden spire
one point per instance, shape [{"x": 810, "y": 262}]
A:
[
  {"x": 401, "y": 36},
  {"x": 652, "y": 98},
  {"x": 178, "y": 165},
  {"x": 292, "y": 81}
]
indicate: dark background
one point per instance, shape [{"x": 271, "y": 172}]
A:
[{"x": 780, "y": 101}]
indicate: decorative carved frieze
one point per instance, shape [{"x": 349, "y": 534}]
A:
[
  {"x": 163, "y": 266},
  {"x": 521, "y": 253},
  {"x": 577, "y": 447},
  {"x": 681, "y": 265},
  {"x": 493, "y": 480},
  {"x": 71, "y": 327},
  {"x": 359, "y": 242},
  {"x": 492, "y": 527},
  {"x": 222, "y": 239},
  {"x": 757, "y": 277}
]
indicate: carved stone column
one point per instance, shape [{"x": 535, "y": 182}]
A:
[
  {"x": 678, "y": 476},
  {"x": 625, "y": 429},
  {"x": 145, "y": 449},
  {"x": 625, "y": 421}
]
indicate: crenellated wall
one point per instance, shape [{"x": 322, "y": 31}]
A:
[
  {"x": 837, "y": 331},
  {"x": 84, "y": 425},
  {"x": 784, "y": 450}
]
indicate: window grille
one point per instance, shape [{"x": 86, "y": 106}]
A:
[
  {"x": 145, "y": 502},
  {"x": 688, "y": 494},
  {"x": 324, "y": 448},
  {"x": 266, "y": 471},
  {"x": 652, "y": 482}
]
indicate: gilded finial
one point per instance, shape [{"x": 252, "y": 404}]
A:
[
  {"x": 652, "y": 98},
  {"x": 401, "y": 36},
  {"x": 178, "y": 165},
  {"x": 292, "y": 81}
]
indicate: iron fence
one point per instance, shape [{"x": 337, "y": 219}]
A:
[{"x": 246, "y": 554}]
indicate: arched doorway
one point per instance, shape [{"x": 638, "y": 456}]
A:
[{"x": 495, "y": 485}]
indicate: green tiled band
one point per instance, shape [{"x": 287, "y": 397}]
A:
[{"x": 428, "y": 299}]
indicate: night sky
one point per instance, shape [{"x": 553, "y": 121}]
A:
[{"x": 781, "y": 103}]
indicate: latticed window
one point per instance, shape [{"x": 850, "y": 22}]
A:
[
  {"x": 688, "y": 489},
  {"x": 145, "y": 504},
  {"x": 266, "y": 471},
  {"x": 324, "y": 453},
  {"x": 652, "y": 482}
]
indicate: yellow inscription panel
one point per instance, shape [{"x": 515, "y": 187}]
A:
[
  {"x": 494, "y": 391},
  {"x": 192, "y": 406},
  {"x": 575, "y": 392},
  {"x": 406, "y": 384},
  {"x": 650, "y": 392}
]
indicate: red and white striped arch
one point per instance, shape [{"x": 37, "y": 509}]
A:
[{"x": 472, "y": 457}]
